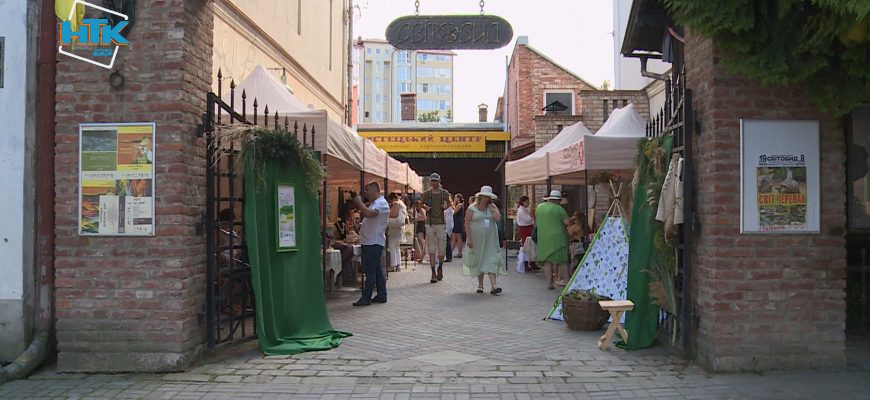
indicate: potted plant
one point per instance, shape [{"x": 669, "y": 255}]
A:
[{"x": 581, "y": 311}]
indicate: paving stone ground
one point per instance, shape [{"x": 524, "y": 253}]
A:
[{"x": 443, "y": 341}]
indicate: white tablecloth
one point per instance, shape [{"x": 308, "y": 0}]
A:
[{"x": 333, "y": 260}]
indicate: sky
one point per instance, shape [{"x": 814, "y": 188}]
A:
[{"x": 577, "y": 34}]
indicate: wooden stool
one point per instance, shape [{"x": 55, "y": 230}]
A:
[{"x": 616, "y": 309}]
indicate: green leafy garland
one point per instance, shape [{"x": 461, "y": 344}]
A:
[
  {"x": 260, "y": 145},
  {"x": 821, "y": 44}
]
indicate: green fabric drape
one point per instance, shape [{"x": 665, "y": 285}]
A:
[
  {"x": 291, "y": 309},
  {"x": 642, "y": 322}
]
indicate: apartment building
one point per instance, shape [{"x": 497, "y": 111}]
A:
[{"x": 384, "y": 73}]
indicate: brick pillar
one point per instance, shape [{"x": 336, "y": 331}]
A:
[
  {"x": 762, "y": 301},
  {"x": 409, "y": 107},
  {"x": 126, "y": 303}
]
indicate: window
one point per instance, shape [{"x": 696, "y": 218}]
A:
[
  {"x": 422, "y": 88},
  {"x": 377, "y": 84},
  {"x": 378, "y": 116},
  {"x": 377, "y": 51},
  {"x": 404, "y": 73},
  {"x": 404, "y": 87},
  {"x": 378, "y": 99},
  {"x": 368, "y": 98},
  {"x": 424, "y": 72},
  {"x": 403, "y": 57},
  {"x": 423, "y": 57},
  {"x": 565, "y": 99},
  {"x": 369, "y": 51},
  {"x": 444, "y": 72}
]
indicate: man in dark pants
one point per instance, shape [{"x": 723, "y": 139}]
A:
[{"x": 373, "y": 238}]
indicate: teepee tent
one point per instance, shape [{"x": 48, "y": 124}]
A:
[{"x": 604, "y": 267}]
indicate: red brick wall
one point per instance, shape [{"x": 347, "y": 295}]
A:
[
  {"x": 130, "y": 304},
  {"x": 762, "y": 301},
  {"x": 535, "y": 74}
]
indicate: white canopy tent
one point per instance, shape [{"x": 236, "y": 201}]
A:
[
  {"x": 575, "y": 151},
  {"x": 532, "y": 169},
  {"x": 344, "y": 148}
]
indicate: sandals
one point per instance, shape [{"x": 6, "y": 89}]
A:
[
  {"x": 495, "y": 291},
  {"x": 480, "y": 289}
]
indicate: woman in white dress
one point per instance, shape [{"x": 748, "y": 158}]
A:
[{"x": 395, "y": 224}]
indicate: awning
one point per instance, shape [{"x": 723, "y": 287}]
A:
[
  {"x": 575, "y": 151},
  {"x": 532, "y": 169}
]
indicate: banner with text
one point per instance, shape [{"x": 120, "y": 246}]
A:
[{"x": 434, "y": 142}]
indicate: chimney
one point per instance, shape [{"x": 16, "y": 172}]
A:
[
  {"x": 409, "y": 107},
  {"x": 523, "y": 40},
  {"x": 482, "y": 112}
]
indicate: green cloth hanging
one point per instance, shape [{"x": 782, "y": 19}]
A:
[
  {"x": 291, "y": 309},
  {"x": 642, "y": 322}
]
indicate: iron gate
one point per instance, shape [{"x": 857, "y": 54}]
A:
[
  {"x": 229, "y": 307},
  {"x": 676, "y": 118}
]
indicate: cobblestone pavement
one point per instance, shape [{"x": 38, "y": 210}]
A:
[{"x": 443, "y": 341}]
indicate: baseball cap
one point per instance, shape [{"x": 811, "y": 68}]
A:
[{"x": 435, "y": 177}]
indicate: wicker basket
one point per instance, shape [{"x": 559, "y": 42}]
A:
[{"x": 583, "y": 315}]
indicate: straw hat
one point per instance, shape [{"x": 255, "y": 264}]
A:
[
  {"x": 487, "y": 191},
  {"x": 554, "y": 195}
]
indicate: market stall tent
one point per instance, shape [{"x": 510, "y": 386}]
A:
[
  {"x": 342, "y": 146},
  {"x": 612, "y": 148},
  {"x": 533, "y": 169}
]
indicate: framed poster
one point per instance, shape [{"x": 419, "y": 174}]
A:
[
  {"x": 285, "y": 207},
  {"x": 779, "y": 176},
  {"x": 116, "y": 179}
]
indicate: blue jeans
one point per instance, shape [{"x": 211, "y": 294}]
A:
[{"x": 371, "y": 263}]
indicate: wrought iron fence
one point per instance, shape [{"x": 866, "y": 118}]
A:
[
  {"x": 230, "y": 301},
  {"x": 677, "y": 119}
]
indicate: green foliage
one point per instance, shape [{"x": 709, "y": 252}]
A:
[
  {"x": 431, "y": 116},
  {"x": 823, "y": 45},
  {"x": 261, "y": 145},
  {"x": 585, "y": 295}
]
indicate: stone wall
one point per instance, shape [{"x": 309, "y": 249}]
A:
[
  {"x": 761, "y": 301},
  {"x": 123, "y": 303}
]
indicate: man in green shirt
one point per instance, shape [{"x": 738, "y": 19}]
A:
[
  {"x": 552, "y": 239},
  {"x": 436, "y": 200}
]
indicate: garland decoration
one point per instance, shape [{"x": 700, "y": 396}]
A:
[
  {"x": 823, "y": 45},
  {"x": 259, "y": 145}
]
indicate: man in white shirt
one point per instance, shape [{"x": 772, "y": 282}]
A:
[{"x": 373, "y": 238}]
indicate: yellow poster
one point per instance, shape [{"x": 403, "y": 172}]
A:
[{"x": 116, "y": 179}]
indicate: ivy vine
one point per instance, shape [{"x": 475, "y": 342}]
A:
[{"x": 823, "y": 45}]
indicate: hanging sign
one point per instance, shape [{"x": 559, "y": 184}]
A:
[
  {"x": 453, "y": 32},
  {"x": 285, "y": 206},
  {"x": 779, "y": 177},
  {"x": 116, "y": 179}
]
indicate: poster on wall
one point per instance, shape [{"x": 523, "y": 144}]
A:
[
  {"x": 286, "y": 218},
  {"x": 779, "y": 176},
  {"x": 116, "y": 179}
]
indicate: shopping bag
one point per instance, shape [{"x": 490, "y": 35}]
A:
[{"x": 529, "y": 250}]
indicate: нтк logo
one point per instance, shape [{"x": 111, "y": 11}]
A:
[{"x": 96, "y": 32}]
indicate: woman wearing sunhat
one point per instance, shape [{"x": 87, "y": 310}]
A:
[
  {"x": 552, "y": 236},
  {"x": 482, "y": 253}
]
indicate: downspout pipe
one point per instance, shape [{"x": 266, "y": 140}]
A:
[{"x": 36, "y": 352}]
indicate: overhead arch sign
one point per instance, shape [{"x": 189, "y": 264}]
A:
[{"x": 449, "y": 32}]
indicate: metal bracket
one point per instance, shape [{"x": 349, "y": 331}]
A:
[{"x": 200, "y": 227}]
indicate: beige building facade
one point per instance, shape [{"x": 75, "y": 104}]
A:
[{"x": 302, "y": 42}]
